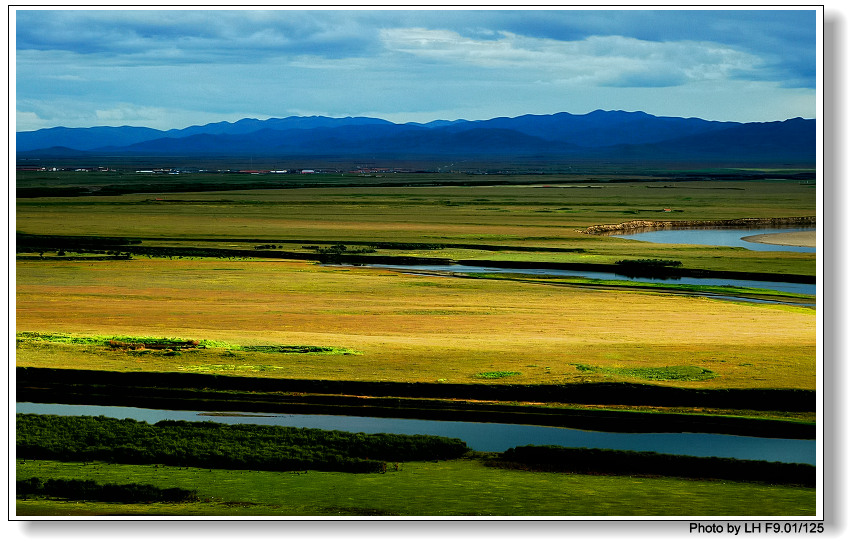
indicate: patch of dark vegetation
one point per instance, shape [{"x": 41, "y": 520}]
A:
[
  {"x": 339, "y": 249},
  {"x": 662, "y": 373},
  {"x": 675, "y": 271},
  {"x": 115, "y": 246},
  {"x": 649, "y": 263},
  {"x": 356, "y": 512},
  {"x": 294, "y": 349},
  {"x": 78, "y": 489},
  {"x": 613, "y": 462},
  {"x": 163, "y": 343},
  {"x": 172, "y": 346},
  {"x": 669, "y": 373},
  {"x": 215, "y": 445},
  {"x": 27, "y": 243},
  {"x": 648, "y": 268},
  {"x": 116, "y": 342},
  {"x": 119, "y": 384},
  {"x": 62, "y": 257}
]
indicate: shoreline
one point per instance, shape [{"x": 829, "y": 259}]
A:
[{"x": 805, "y": 239}]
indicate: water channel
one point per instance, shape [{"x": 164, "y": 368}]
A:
[
  {"x": 708, "y": 236},
  {"x": 479, "y": 436},
  {"x": 717, "y": 236},
  {"x": 805, "y": 289}
]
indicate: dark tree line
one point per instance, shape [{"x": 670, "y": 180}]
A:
[
  {"x": 608, "y": 461},
  {"x": 216, "y": 445}
]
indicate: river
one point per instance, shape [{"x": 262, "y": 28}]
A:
[
  {"x": 705, "y": 236},
  {"x": 805, "y": 289},
  {"x": 714, "y": 236},
  {"x": 479, "y": 436}
]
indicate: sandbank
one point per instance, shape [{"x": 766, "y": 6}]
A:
[{"x": 807, "y": 239}]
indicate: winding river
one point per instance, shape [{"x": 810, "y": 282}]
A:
[
  {"x": 479, "y": 436},
  {"x": 805, "y": 289},
  {"x": 733, "y": 237}
]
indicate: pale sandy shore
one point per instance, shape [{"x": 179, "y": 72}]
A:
[{"x": 807, "y": 239}]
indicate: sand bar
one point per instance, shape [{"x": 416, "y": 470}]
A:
[{"x": 806, "y": 239}]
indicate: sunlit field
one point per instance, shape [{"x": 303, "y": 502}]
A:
[{"x": 406, "y": 328}]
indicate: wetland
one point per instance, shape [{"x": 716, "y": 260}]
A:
[{"x": 330, "y": 300}]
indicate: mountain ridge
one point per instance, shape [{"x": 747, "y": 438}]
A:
[{"x": 599, "y": 134}]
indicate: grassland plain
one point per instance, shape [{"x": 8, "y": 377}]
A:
[
  {"x": 463, "y": 487},
  {"x": 408, "y": 328},
  {"x": 530, "y": 216}
]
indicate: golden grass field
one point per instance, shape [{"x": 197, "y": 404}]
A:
[{"x": 408, "y": 328}]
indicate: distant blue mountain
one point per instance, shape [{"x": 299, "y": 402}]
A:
[
  {"x": 789, "y": 141},
  {"x": 603, "y": 128},
  {"x": 83, "y": 138},
  {"x": 249, "y": 125},
  {"x": 600, "y": 134},
  {"x": 103, "y": 136}
]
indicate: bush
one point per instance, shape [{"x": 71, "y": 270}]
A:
[
  {"x": 650, "y": 268},
  {"x": 496, "y": 375},
  {"x": 649, "y": 263},
  {"x": 78, "y": 489}
]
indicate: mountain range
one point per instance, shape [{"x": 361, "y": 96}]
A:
[{"x": 598, "y": 135}]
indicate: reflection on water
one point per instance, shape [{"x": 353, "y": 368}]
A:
[{"x": 479, "y": 436}]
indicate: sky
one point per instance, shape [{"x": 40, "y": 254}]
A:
[{"x": 164, "y": 69}]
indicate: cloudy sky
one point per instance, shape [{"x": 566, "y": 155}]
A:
[{"x": 174, "y": 68}]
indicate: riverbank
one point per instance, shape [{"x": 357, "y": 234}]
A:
[
  {"x": 643, "y": 225},
  {"x": 567, "y": 406},
  {"x": 806, "y": 239}
]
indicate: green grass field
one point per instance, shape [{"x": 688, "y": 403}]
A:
[{"x": 462, "y": 487}]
